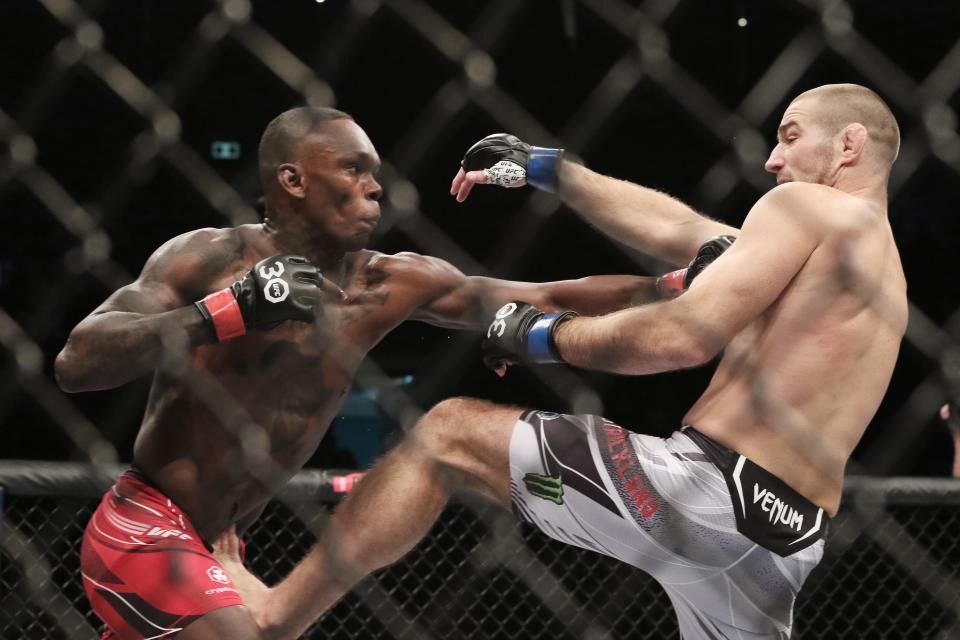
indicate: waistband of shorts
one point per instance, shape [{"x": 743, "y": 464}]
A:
[
  {"x": 768, "y": 511},
  {"x": 135, "y": 478},
  {"x": 147, "y": 490},
  {"x": 137, "y": 473},
  {"x": 725, "y": 458},
  {"x": 719, "y": 454}
]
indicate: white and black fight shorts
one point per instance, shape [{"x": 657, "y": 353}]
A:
[{"x": 729, "y": 542}]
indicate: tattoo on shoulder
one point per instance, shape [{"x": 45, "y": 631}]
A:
[
  {"x": 376, "y": 275},
  {"x": 358, "y": 307},
  {"x": 214, "y": 263},
  {"x": 192, "y": 265},
  {"x": 369, "y": 297}
]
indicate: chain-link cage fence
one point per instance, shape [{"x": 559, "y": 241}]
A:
[
  {"x": 890, "y": 571},
  {"x": 124, "y": 124}
]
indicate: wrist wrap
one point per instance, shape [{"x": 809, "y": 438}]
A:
[
  {"x": 670, "y": 285},
  {"x": 540, "y": 345},
  {"x": 542, "y": 168},
  {"x": 222, "y": 313}
]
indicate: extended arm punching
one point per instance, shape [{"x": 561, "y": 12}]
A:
[
  {"x": 643, "y": 218},
  {"x": 467, "y": 302}
]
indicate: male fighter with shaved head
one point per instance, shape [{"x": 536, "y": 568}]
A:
[
  {"x": 729, "y": 513},
  {"x": 264, "y": 365}
]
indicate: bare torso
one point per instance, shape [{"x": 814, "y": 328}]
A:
[
  {"x": 220, "y": 436},
  {"x": 796, "y": 389},
  {"x": 290, "y": 381}
]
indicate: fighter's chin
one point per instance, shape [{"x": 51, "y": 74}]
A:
[{"x": 359, "y": 240}]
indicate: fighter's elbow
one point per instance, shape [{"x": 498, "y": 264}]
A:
[
  {"x": 696, "y": 350},
  {"x": 72, "y": 368},
  {"x": 66, "y": 372},
  {"x": 698, "y": 353}
]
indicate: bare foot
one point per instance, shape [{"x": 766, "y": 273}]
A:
[{"x": 256, "y": 595}]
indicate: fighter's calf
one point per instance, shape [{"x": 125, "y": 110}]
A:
[{"x": 459, "y": 445}]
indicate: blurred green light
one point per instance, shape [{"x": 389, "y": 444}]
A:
[{"x": 225, "y": 150}]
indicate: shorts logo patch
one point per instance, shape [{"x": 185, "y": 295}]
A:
[
  {"x": 622, "y": 460},
  {"x": 217, "y": 574},
  {"x": 778, "y": 510},
  {"x": 158, "y": 532},
  {"x": 776, "y": 517},
  {"x": 546, "y": 487}
]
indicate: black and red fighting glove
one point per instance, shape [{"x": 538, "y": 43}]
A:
[
  {"x": 277, "y": 289},
  {"x": 672, "y": 284}
]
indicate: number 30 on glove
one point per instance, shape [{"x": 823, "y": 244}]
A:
[
  {"x": 522, "y": 333},
  {"x": 277, "y": 289}
]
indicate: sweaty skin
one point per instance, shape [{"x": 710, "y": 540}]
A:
[{"x": 289, "y": 382}]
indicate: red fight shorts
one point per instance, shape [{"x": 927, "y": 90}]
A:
[{"x": 145, "y": 569}]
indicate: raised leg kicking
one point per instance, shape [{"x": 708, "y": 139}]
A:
[{"x": 730, "y": 512}]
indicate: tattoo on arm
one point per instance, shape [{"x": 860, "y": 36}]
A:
[
  {"x": 358, "y": 307},
  {"x": 128, "y": 335}
]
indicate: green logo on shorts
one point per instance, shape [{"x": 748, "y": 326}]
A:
[{"x": 546, "y": 487}]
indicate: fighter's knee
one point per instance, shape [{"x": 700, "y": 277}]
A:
[
  {"x": 452, "y": 410},
  {"x": 444, "y": 431}
]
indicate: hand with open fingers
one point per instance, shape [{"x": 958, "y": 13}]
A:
[
  {"x": 507, "y": 161},
  {"x": 463, "y": 183}
]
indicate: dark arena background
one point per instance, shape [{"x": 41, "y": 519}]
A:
[{"x": 126, "y": 122}]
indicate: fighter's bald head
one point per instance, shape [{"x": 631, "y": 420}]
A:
[
  {"x": 838, "y": 105},
  {"x": 281, "y": 137}
]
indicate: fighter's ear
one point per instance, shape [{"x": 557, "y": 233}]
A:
[
  {"x": 853, "y": 139},
  {"x": 291, "y": 179}
]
